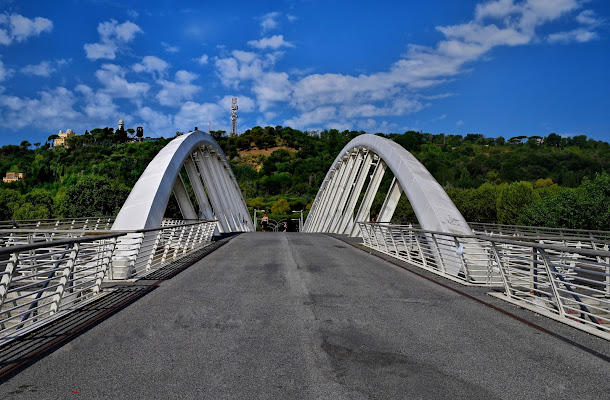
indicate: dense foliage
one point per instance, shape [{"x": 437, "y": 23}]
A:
[{"x": 550, "y": 181}]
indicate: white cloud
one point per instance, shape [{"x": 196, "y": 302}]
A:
[
  {"x": 588, "y": 17},
  {"x": 152, "y": 65},
  {"x": 319, "y": 115},
  {"x": 242, "y": 66},
  {"x": 193, "y": 114},
  {"x": 269, "y": 21},
  {"x": 44, "y": 69},
  {"x": 5, "y": 72},
  {"x": 203, "y": 60},
  {"x": 97, "y": 105},
  {"x": 132, "y": 14},
  {"x": 52, "y": 108},
  {"x": 113, "y": 37},
  {"x": 271, "y": 88},
  {"x": 113, "y": 78},
  {"x": 459, "y": 123},
  {"x": 15, "y": 27},
  {"x": 156, "y": 123},
  {"x": 169, "y": 48},
  {"x": 176, "y": 92},
  {"x": 586, "y": 33},
  {"x": 577, "y": 35},
  {"x": 274, "y": 42}
]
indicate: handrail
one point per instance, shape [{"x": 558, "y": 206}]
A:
[
  {"x": 566, "y": 280},
  {"x": 54, "y": 274},
  {"x": 59, "y": 242}
]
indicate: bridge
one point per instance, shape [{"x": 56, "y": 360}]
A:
[{"x": 140, "y": 306}]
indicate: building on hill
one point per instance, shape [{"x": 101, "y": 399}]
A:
[
  {"x": 63, "y": 137},
  {"x": 14, "y": 177}
]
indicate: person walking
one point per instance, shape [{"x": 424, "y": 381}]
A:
[{"x": 264, "y": 223}]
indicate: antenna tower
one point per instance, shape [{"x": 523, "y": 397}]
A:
[{"x": 234, "y": 116}]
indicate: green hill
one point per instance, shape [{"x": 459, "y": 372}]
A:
[{"x": 550, "y": 181}]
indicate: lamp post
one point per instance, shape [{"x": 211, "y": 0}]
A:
[
  {"x": 300, "y": 219},
  {"x": 255, "y": 224}
]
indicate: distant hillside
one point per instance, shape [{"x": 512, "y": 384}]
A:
[{"x": 280, "y": 169}]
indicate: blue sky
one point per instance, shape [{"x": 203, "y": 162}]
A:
[{"x": 501, "y": 67}]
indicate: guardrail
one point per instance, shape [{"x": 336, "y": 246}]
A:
[
  {"x": 142, "y": 252},
  {"x": 567, "y": 283},
  {"x": 42, "y": 280},
  {"x": 582, "y": 235},
  {"x": 457, "y": 257},
  {"x": 45, "y": 273},
  {"x": 86, "y": 223}
]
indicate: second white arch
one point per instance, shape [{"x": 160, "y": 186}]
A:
[{"x": 365, "y": 160}]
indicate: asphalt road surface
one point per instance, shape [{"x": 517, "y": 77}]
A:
[{"x": 306, "y": 316}]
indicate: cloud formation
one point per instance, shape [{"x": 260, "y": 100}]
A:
[
  {"x": 44, "y": 69},
  {"x": 113, "y": 36},
  {"x": 17, "y": 28},
  {"x": 274, "y": 42}
]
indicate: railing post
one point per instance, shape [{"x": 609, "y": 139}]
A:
[
  {"x": 462, "y": 259},
  {"x": 180, "y": 237},
  {"x": 9, "y": 273},
  {"x": 441, "y": 262},
  {"x": 106, "y": 263},
  {"x": 496, "y": 253},
  {"x": 188, "y": 239},
  {"x": 421, "y": 252},
  {"x": 553, "y": 281},
  {"x": 168, "y": 244},
  {"x": 63, "y": 280}
]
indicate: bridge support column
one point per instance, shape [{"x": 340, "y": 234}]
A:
[
  {"x": 232, "y": 200},
  {"x": 205, "y": 210},
  {"x": 367, "y": 201},
  {"x": 390, "y": 202},
  {"x": 184, "y": 201},
  {"x": 206, "y": 174},
  {"x": 217, "y": 177},
  {"x": 348, "y": 191},
  {"x": 347, "y": 222},
  {"x": 345, "y": 187},
  {"x": 332, "y": 195},
  {"x": 323, "y": 204}
]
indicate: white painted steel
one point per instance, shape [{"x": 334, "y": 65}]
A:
[
  {"x": 146, "y": 204},
  {"x": 183, "y": 199},
  {"x": 81, "y": 223},
  {"x": 369, "y": 195},
  {"x": 205, "y": 209},
  {"x": 390, "y": 202},
  {"x": 564, "y": 282},
  {"x": 433, "y": 208},
  {"x": 347, "y": 220},
  {"x": 42, "y": 280},
  {"x": 202, "y": 157}
]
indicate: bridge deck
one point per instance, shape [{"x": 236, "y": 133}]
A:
[{"x": 309, "y": 316}]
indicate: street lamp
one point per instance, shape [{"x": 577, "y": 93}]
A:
[
  {"x": 255, "y": 210},
  {"x": 300, "y": 219}
]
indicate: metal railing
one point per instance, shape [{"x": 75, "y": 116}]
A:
[
  {"x": 458, "y": 257},
  {"x": 567, "y": 282},
  {"x": 45, "y": 273},
  {"x": 141, "y": 252},
  {"x": 86, "y": 223},
  {"x": 583, "y": 235},
  {"x": 42, "y": 280}
]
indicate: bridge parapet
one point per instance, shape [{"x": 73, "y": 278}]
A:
[
  {"x": 564, "y": 278},
  {"x": 46, "y": 272}
]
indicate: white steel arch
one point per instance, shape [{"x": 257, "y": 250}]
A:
[
  {"x": 211, "y": 178},
  {"x": 364, "y": 158}
]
